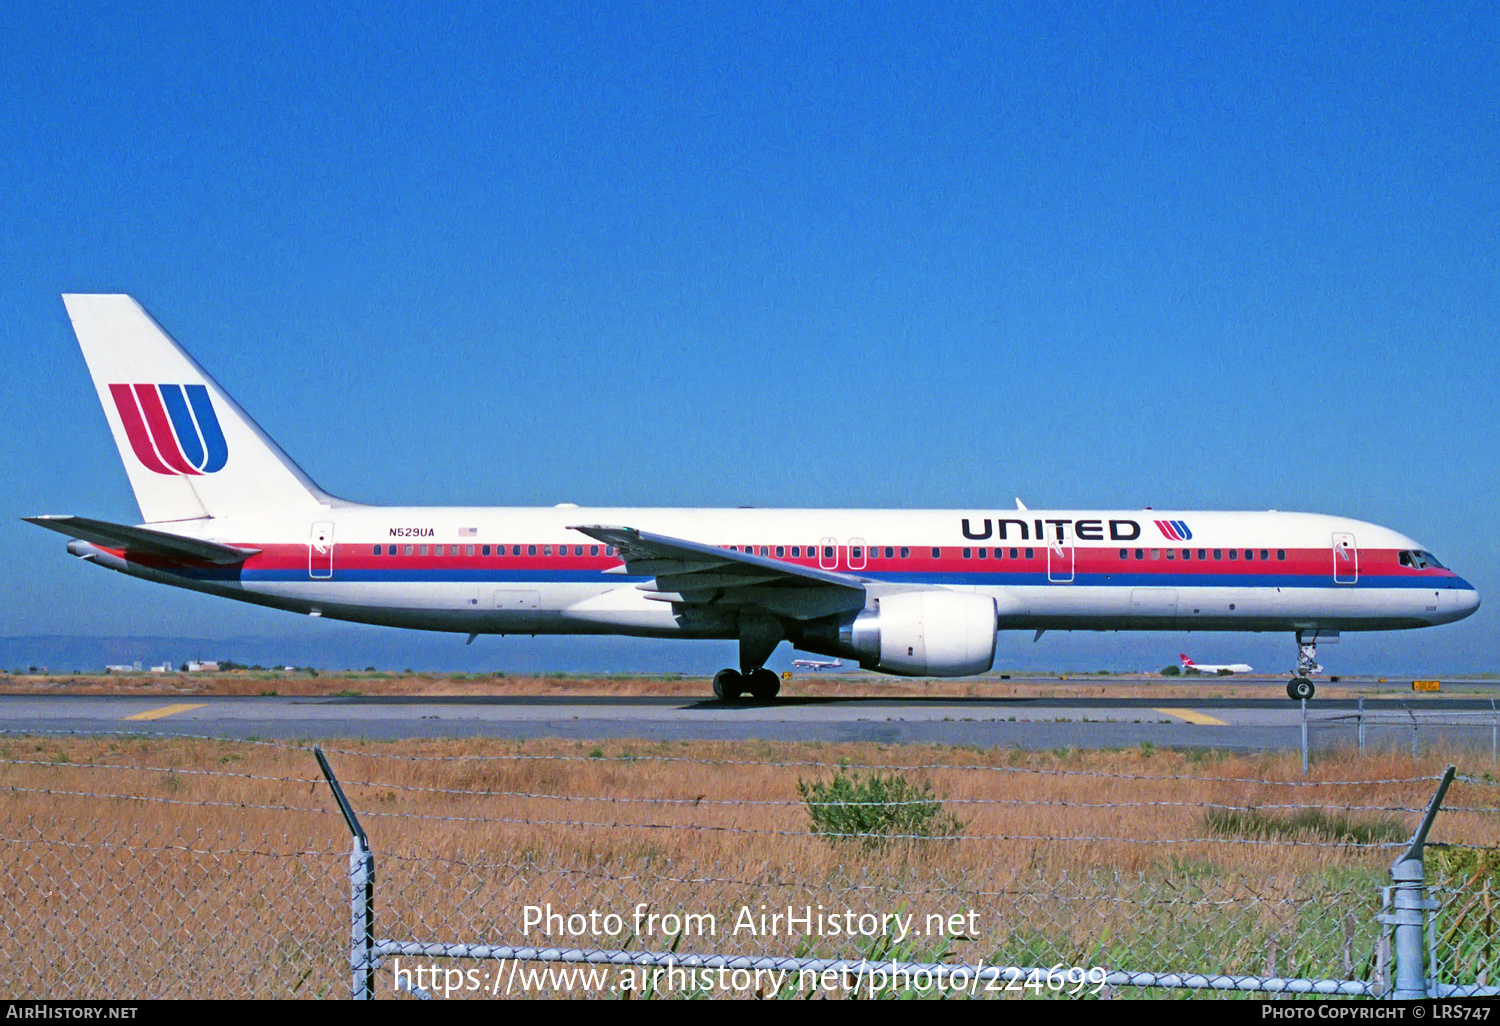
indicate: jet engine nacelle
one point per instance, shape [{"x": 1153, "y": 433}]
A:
[{"x": 914, "y": 634}]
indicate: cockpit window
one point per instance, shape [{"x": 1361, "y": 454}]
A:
[{"x": 1420, "y": 560}]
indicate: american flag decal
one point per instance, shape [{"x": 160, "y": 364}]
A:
[{"x": 468, "y": 532}]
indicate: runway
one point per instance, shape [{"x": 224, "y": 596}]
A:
[{"x": 1231, "y": 724}]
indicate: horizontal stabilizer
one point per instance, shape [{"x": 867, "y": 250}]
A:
[{"x": 143, "y": 539}]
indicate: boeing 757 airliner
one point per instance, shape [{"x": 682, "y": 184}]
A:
[{"x": 907, "y": 592}]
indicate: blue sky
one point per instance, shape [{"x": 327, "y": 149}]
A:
[{"x": 1120, "y": 255}]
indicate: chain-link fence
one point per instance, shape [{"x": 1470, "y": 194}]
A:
[
  {"x": 1397, "y": 728},
  {"x": 160, "y": 866}
]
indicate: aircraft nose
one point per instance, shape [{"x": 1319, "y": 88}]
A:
[{"x": 1466, "y": 599}]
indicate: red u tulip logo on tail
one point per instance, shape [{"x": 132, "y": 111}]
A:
[{"x": 172, "y": 428}]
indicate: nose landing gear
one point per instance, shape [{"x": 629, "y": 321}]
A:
[{"x": 1301, "y": 686}]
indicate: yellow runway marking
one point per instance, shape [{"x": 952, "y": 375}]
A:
[
  {"x": 166, "y": 710},
  {"x": 1194, "y": 717}
]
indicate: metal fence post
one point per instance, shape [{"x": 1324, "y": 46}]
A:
[
  {"x": 362, "y": 919},
  {"x": 1361, "y": 722},
  {"x": 361, "y": 893},
  {"x": 1304, "y": 737},
  {"x": 1409, "y": 907}
]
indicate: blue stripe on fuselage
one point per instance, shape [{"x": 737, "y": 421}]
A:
[{"x": 501, "y": 575}]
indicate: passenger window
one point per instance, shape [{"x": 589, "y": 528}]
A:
[
  {"x": 937, "y": 553},
  {"x": 1187, "y": 553},
  {"x": 1281, "y": 553},
  {"x": 780, "y": 551},
  {"x": 515, "y": 550},
  {"x": 609, "y": 550},
  {"x": 1234, "y": 554},
  {"x": 546, "y": 550},
  {"x": 1265, "y": 554},
  {"x": 577, "y": 550},
  {"x": 889, "y": 552},
  {"x": 1030, "y": 553},
  {"x": 421, "y": 550},
  {"x": 1124, "y": 553},
  {"x": 1171, "y": 553},
  {"x": 1249, "y": 553},
  {"x": 796, "y": 551},
  {"x": 854, "y": 553},
  {"x": 827, "y": 551},
  {"x": 377, "y": 550},
  {"x": 984, "y": 553},
  {"x": 1202, "y": 553},
  {"x": 390, "y": 550},
  {"x": 407, "y": 551},
  {"x": 905, "y": 552},
  {"x": 531, "y": 550},
  {"x": 469, "y": 550},
  {"x": 999, "y": 553},
  {"x": 485, "y": 551},
  {"x": 1156, "y": 553},
  {"x": 1218, "y": 553},
  {"x": 968, "y": 553},
  {"x": 593, "y": 550},
  {"x": 1140, "y": 553}
]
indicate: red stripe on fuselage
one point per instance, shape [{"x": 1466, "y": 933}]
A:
[{"x": 1093, "y": 561}]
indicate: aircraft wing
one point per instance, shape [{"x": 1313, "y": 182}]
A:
[
  {"x": 697, "y": 574},
  {"x": 143, "y": 539}
]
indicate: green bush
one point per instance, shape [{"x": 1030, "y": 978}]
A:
[
  {"x": 876, "y": 809},
  {"x": 1171, "y": 671}
]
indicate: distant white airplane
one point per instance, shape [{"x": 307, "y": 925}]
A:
[
  {"x": 817, "y": 664},
  {"x": 1188, "y": 664}
]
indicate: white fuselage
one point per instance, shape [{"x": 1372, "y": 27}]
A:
[{"x": 523, "y": 570}]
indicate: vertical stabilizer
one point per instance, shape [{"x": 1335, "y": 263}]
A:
[{"x": 189, "y": 450}]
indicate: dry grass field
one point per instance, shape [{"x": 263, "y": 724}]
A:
[
  {"x": 819, "y": 685},
  {"x": 147, "y": 865}
]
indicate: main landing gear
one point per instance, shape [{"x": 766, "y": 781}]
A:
[
  {"x": 1301, "y": 687},
  {"x": 759, "y": 636},
  {"x": 762, "y": 684}
]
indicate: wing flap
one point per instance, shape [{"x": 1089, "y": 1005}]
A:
[
  {"x": 693, "y": 572},
  {"x": 143, "y": 539}
]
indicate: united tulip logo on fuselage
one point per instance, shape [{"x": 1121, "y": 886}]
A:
[
  {"x": 1174, "y": 530},
  {"x": 172, "y": 428}
]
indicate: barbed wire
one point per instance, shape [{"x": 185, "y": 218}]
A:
[
  {"x": 709, "y": 827},
  {"x": 838, "y": 764},
  {"x": 702, "y": 800}
]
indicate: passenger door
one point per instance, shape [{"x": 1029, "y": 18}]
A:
[
  {"x": 320, "y": 551},
  {"x": 1345, "y": 559}
]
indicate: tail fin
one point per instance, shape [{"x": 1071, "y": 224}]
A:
[
  {"x": 1185, "y": 660},
  {"x": 189, "y": 450}
]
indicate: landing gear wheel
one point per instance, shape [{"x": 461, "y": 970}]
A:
[
  {"x": 763, "y": 684},
  {"x": 728, "y": 685},
  {"x": 1300, "y": 688}
]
